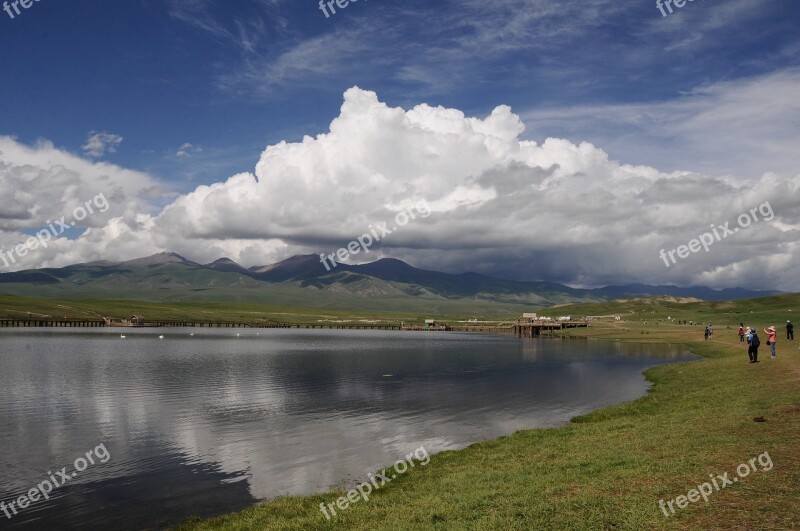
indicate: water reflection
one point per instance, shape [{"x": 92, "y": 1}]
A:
[{"x": 210, "y": 423}]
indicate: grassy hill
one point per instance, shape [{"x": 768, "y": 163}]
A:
[
  {"x": 657, "y": 311},
  {"x": 387, "y": 285},
  {"x": 660, "y": 311},
  {"x": 348, "y": 308}
]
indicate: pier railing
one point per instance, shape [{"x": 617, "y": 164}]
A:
[
  {"x": 101, "y": 323},
  {"x": 538, "y": 327},
  {"x": 50, "y": 322},
  {"x": 520, "y": 328}
]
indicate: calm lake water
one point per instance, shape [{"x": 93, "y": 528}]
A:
[{"x": 212, "y": 423}]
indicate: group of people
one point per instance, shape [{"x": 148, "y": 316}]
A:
[{"x": 750, "y": 335}]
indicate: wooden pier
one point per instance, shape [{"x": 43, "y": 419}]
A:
[
  {"x": 520, "y": 328},
  {"x": 498, "y": 329},
  {"x": 537, "y": 328},
  {"x": 52, "y": 323},
  {"x": 257, "y": 324}
]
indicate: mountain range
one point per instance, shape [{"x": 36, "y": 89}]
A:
[{"x": 302, "y": 281}]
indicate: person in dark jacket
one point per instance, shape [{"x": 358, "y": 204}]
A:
[
  {"x": 789, "y": 331},
  {"x": 753, "y": 343}
]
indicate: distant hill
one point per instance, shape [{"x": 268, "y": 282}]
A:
[
  {"x": 302, "y": 281},
  {"x": 631, "y": 291}
]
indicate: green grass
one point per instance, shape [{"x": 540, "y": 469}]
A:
[
  {"x": 608, "y": 469},
  {"x": 12, "y": 306}
]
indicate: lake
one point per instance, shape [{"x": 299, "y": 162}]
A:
[{"x": 213, "y": 422}]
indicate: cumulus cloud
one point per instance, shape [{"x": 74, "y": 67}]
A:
[
  {"x": 554, "y": 210},
  {"x": 99, "y": 143},
  {"x": 40, "y": 184}
]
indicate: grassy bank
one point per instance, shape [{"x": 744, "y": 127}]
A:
[
  {"x": 12, "y": 306},
  {"x": 609, "y": 469}
]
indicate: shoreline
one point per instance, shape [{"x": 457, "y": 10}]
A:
[{"x": 602, "y": 427}]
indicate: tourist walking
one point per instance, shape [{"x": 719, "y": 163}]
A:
[
  {"x": 789, "y": 331},
  {"x": 710, "y": 330},
  {"x": 753, "y": 342},
  {"x": 705, "y": 334},
  {"x": 772, "y": 335},
  {"x": 741, "y": 332}
]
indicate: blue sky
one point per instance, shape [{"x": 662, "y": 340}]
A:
[
  {"x": 232, "y": 77},
  {"x": 191, "y": 92}
]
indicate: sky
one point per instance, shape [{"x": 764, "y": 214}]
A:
[{"x": 574, "y": 141}]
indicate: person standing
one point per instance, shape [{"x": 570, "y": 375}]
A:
[
  {"x": 741, "y": 332},
  {"x": 705, "y": 334},
  {"x": 789, "y": 331},
  {"x": 710, "y": 330},
  {"x": 753, "y": 343},
  {"x": 771, "y": 337}
]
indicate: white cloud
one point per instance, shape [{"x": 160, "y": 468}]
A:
[
  {"x": 744, "y": 127},
  {"x": 553, "y": 210},
  {"x": 99, "y": 143},
  {"x": 187, "y": 150},
  {"x": 40, "y": 184}
]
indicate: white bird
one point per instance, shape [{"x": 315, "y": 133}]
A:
[
  {"x": 121, "y": 336},
  {"x": 160, "y": 337}
]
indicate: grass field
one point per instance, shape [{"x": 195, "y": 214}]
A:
[
  {"x": 610, "y": 468},
  {"x": 12, "y": 306}
]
